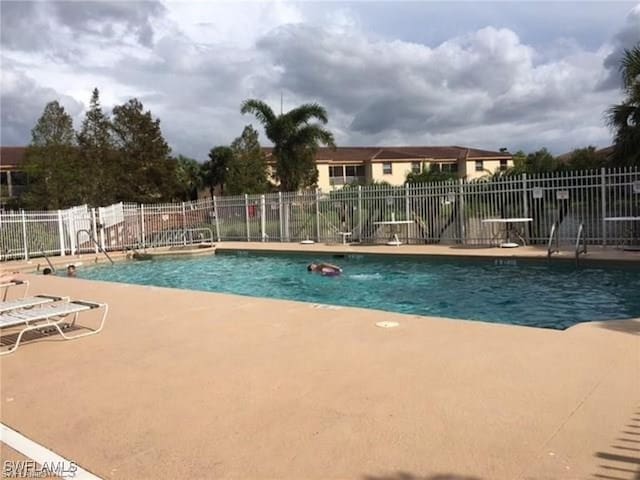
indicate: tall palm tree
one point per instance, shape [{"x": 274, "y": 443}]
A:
[
  {"x": 295, "y": 140},
  {"x": 624, "y": 118}
]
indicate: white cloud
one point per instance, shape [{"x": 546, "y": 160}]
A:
[
  {"x": 455, "y": 92},
  {"x": 192, "y": 64},
  {"x": 627, "y": 37},
  {"x": 23, "y": 101}
]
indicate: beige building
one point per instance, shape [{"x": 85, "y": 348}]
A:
[
  {"x": 12, "y": 178},
  {"x": 347, "y": 165}
]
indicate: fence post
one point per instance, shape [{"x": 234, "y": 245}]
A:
[
  {"x": 407, "y": 208},
  {"x": 215, "y": 214},
  {"x": 360, "y": 213},
  {"x": 95, "y": 230},
  {"x": 144, "y": 240},
  {"x": 603, "y": 193},
  {"x": 24, "y": 236},
  {"x": 246, "y": 216},
  {"x": 71, "y": 222},
  {"x": 184, "y": 225},
  {"x": 461, "y": 219},
  {"x": 61, "y": 234},
  {"x": 525, "y": 205},
  {"x": 101, "y": 219},
  {"x": 280, "y": 216},
  {"x": 525, "y": 201},
  {"x": 317, "y": 214},
  {"x": 287, "y": 220},
  {"x": 263, "y": 220}
]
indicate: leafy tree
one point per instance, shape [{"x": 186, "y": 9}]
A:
[
  {"x": 97, "y": 154},
  {"x": 366, "y": 183},
  {"x": 539, "y": 161},
  {"x": 430, "y": 175},
  {"x": 248, "y": 169},
  {"x": 295, "y": 140},
  {"x": 519, "y": 162},
  {"x": 189, "y": 175},
  {"x": 145, "y": 173},
  {"x": 624, "y": 119},
  {"x": 585, "y": 159},
  {"x": 52, "y": 162},
  {"x": 214, "y": 171},
  {"x": 54, "y": 127}
]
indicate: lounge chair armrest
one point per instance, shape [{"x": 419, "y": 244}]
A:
[
  {"x": 55, "y": 298},
  {"x": 13, "y": 283},
  {"x": 88, "y": 304}
]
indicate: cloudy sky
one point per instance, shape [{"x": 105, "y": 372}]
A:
[{"x": 507, "y": 74}]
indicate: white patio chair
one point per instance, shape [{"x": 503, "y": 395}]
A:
[
  {"x": 50, "y": 315},
  {"x": 29, "y": 302},
  {"x": 4, "y": 287}
]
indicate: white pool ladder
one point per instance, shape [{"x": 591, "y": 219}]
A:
[
  {"x": 553, "y": 245},
  {"x": 581, "y": 243},
  {"x": 92, "y": 240}
]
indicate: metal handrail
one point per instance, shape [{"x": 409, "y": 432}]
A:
[
  {"x": 579, "y": 238},
  {"x": 178, "y": 235},
  {"x": 553, "y": 235},
  {"x": 192, "y": 230},
  {"x": 94, "y": 242},
  {"x": 39, "y": 244}
]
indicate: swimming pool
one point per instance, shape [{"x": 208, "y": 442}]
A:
[{"x": 552, "y": 295}]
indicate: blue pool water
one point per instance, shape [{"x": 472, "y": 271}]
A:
[{"x": 552, "y": 295}]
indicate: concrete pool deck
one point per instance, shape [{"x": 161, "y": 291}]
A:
[
  {"x": 595, "y": 253},
  {"x": 184, "y": 384}
]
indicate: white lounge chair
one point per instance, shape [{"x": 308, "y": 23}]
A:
[
  {"x": 29, "y": 302},
  {"x": 50, "y": 315},
  {"x": 4, "y": 287}
]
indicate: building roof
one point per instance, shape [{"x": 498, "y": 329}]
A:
[
  {"x": 400, "y": 153},
  {"x": 603, "y": 153},
  {"x": 12, "y": 157}
]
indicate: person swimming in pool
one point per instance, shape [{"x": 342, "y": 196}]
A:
[{"x": 325, "y": 269}]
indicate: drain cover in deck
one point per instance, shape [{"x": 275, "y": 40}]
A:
[{"x": 387, "y": 324}]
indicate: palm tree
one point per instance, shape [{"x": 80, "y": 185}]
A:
[
  {"x": 624, "y": 118},
  {"x": 214, "y": 170},
  {"x": 189, "y": 178},
  {"x": 295, "y": 140}
]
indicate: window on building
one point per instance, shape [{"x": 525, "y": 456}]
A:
[
  {"x": 416, "y": 167},
  {"x": 449, "y": 167},
  {"x": 18, "y": 178},
  {"x": 336, "y": 174},
  {"x": 387, "y": 169},
  {"x": 3, "y": 178},
  {"x": 503, "y": 165},
  {"x": 336, "y": 171},
  {"x": 350, "y": 174},
  {"x": 479, "y": 166},
  {"x": 360, "y": 171}
]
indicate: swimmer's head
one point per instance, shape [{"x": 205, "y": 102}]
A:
[{"x": 311, "y": 267}]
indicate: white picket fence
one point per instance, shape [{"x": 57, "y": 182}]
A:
[{"x": 445, "y": 212}]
